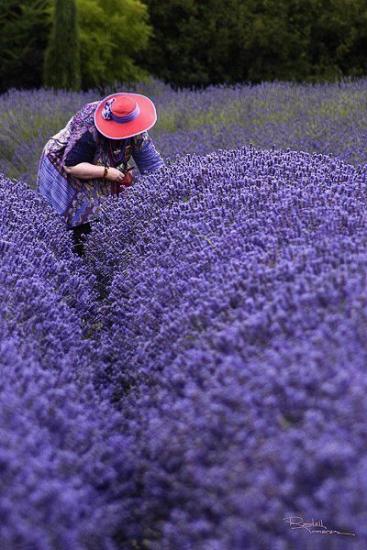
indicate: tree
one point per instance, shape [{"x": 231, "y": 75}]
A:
[
  {"x": 338, "y": 39},
  {"x": 227, "y": 41},
  {"x": 23, "y": 39},
  {"x": 62, "y": 58},
  {"x": 112, "y": 32}
]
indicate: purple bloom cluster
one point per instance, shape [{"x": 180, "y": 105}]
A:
[
  {"x": 234, "y": 342},
  {"x": 61, "y": 445}
]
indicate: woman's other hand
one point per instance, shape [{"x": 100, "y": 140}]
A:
[{"x": 114, "y": 174}]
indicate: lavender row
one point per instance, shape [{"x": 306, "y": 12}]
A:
[
  {"x": 61, "y": 445},
  {"x": 233, "y": 336},
  {"x": 322, "y": 118}
]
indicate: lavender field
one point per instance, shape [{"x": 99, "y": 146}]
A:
[{"x": 200, "y": 375}]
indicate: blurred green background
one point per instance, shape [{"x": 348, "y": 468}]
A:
[{"x": 84, "y": 44}]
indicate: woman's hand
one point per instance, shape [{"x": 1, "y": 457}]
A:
[{"x": 114, "y": 174}]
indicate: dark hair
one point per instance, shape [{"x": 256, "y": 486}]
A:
[{"x": 106, "y": 142}]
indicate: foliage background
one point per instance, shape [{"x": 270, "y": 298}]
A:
[{"x": 192, "y": 44}]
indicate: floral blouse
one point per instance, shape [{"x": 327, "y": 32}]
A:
[{"x": 80, "y": 200}]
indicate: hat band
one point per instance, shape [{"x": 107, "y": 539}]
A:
[
  {"x": 109, "y": 115},
  {"x": 128, "y": 117}
]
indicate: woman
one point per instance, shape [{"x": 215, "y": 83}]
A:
[{"x": 91, "y": 158}]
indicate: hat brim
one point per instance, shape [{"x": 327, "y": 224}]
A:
[{"x": 115, "y": 130}]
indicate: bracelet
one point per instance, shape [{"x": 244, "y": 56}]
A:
[{"x": 105, "y": 172}]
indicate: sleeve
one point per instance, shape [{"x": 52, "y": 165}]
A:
[
  {"x": 82, "y": 151},
  {"x": 144, "y": 153}
]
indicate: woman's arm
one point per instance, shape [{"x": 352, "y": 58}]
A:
[
  {"x": 86, "y": 170},
  {"x": 79, "y": 161},
  {"x": 144, "y": 153}
]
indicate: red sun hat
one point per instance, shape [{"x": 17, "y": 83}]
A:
[{"x": 124, "y": 114}]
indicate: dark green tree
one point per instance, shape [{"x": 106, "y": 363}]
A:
[
  {"x": 338, "y": 39},
  {"x": 62, "y": 58},
  {"x": 226, "y": 41},
  {"x": 23, "y": 39}
]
